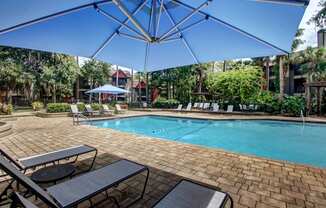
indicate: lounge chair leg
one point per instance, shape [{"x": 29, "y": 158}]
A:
[
  {"x": 143, "y": 191},
  {"x": 93, "y": 161},
  {"x": 4, "y": 193}
]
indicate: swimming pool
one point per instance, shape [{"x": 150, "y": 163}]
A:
[{"x": 280, "y": 140}]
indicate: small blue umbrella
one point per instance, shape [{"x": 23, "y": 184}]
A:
[
  {"x": 150, "y": 35},
  {"x": 109, "y": 89}
]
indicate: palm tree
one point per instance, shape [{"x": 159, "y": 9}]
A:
[{"x": 313, "y": 64}]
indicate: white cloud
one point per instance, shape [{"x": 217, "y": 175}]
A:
[{"x": 310, "y": 32}]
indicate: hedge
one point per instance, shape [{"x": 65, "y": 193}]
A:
[
  {"x": 166, "y": 103},
  {"x": 58, "y": 107},
  {"x": 65, "y": 107}
]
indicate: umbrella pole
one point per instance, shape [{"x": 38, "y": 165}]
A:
[{"x": 99, "y": 98}]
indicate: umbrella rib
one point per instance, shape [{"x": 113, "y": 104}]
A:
[
  {"x": 132, "y": 37},
  {"x": 159, "y": 18},
  {"x": 185, "y": 42},
  {"x": 110, "y": 38},
  {"x": 192, "y": 13},
  {"x": 233, "y": 27},
  {"x": 51, "y": 16},
  {"x": 104, "y": 13},
  {"x": 125, "y": 11},
  {"x": 184, "y": 29}
]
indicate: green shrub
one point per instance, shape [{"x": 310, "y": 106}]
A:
[
  {"x": 37, "y": 105},
  {"x": 7, "y": 109},
  {"x": 58, "y": 107},
  {"x": 166, "y": 103},
  {"x": 293, "y": 105},
  {"x": 96, "y": 106},
  {"x": 274, "y": 106},
  {"x": 81, "y": 107}
]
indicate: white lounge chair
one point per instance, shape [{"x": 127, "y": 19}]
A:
[
  {"x": 179, "y": 108},
  {"x": 206, "y": 106},
  {"x": 119, "y": 109},
  {"x": 189, "y": 107},
  {"x": 230, "y": 109},
  {"x": 216, "y": 107},
  {"x": 201, "y": 105},
  {"x": 196, "y": 105},
  {"x": 106, "y": 110},
  {"x": 90, "y": 111},
  {"x": 76, "y": 114}
]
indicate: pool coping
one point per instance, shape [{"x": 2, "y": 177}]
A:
[
  {"x": 286, "y": 119},
  {"x": 283, "y": 163}
]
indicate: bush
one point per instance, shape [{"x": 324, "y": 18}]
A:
[
  {"x": 96, "y": 106},
  {"x": 37, "y": 105},
  {"x": 58, "y": 107},
  {"x": 81, "y": 107},
  {"x": 293, "y": 105},
  {"x": 7, "y": 109},
  {"x": 166, "y": 103}
]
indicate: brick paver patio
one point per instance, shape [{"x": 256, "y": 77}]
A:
[{"x": 252, "y": 182}]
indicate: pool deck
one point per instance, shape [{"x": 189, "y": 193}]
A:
[{"x": 252, "y": 182}]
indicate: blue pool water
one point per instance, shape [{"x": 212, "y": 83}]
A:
[{"x": 305, "y": 144}]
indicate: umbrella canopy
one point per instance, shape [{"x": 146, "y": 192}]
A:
[
  {"x": 150, "y": 35},
  {"x": 108, "y": 89}
]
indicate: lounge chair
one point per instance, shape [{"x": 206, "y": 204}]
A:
[
  {"x": 216, "y": 107},
  {"x": 90, "y": 112},
  {"x": 82, "y": 188},
  {"x": 32, "y": 162},
  {"x": 179, "y": 108},
  {"x": 189, "y": 107},
  {"x": 201, "y": 105},
  {"x": 76, "y": 114},
  {"x": 206, "y": 106},
  {"x": 196, "y": 105},
  {"x": 229, "y": 109},
  {"x": 119, "y": 109},
  {"x": 187, "y": 194},
  {"x": 19, "y": 201},
  {"x": 106, "y": 110},
  {"x": 144, "y": 105}
]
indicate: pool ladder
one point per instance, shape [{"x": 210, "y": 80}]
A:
[{"x": 302, "y": 117}]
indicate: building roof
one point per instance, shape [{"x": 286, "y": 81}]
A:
[
  {"x": 121, "y": 74},
  {"x": 138, "y": 85}
]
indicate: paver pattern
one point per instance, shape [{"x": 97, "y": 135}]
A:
[{"x": 252, "y": 182}]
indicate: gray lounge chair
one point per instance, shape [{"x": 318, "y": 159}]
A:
[
  {"x": 20, "y": 201},
  {"x": 82, "y": 188},
  {"x": 188, "y": 194},
  {"x": 35, "y": 161}
]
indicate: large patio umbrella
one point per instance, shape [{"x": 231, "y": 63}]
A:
[
  {"x": 149, "y": 35},
  {"x": 109, "y": 89}
]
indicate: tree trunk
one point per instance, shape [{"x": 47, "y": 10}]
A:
[
  {"x": 54, "y": 94},
  {"x": 308, "y": 95},
  {"x": 132, "y": 86},
  {"x": 267, "y": 73},
  {"x": 281, "y": 74},
  {"x": 77, "y": 81}
]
